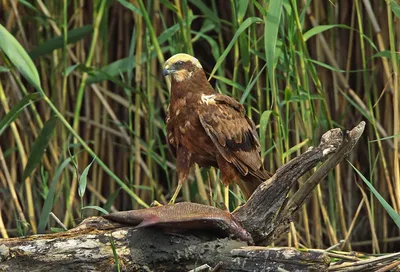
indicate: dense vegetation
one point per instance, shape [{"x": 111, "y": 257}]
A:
[{"x": 88, "y": 129}]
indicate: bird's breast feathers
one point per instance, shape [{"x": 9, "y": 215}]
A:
[{"x": 184, "y": 127}]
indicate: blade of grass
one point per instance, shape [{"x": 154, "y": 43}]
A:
[
  {"x": 271, "y": 27},
  {"x": 83, "y": 180},
  {"x": 271, "y": 35},
  {"x": 16, "y": 110},
  {"x": 388, "y": 208},
  {"x": 39, "y": 146},
  {"x": 241, "y": 9},
  {"x": 396, "y": 97},
  {"x": 19, "y": 58},
  {"x": 263, "y": 130},
  {"x": 97, "y": 208},
  {"x": 50, "y": 45},
  {"x": 248, "y": 22},
  {"x": 115, "y": 254},
  {"x": 251, "y": 85},
  {"x": 49, "y": 201}
]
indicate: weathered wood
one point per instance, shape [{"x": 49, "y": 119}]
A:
[
  {"x": 88, "y": 248},
  {"x": 265, "y": 216}
]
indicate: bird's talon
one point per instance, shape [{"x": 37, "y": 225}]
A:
[{"x": 155, "y": 203}]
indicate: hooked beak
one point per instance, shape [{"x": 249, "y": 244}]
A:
[{"x": 167, "y": 72}]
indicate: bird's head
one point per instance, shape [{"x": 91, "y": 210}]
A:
[{"x": 181, "y": 67}]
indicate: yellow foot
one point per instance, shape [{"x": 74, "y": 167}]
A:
[{"x": 155, "y": 203}]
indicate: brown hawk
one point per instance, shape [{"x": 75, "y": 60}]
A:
[{"x": 209, "y": 128}]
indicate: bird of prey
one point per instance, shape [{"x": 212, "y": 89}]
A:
[{"x": 209, "y": 128}]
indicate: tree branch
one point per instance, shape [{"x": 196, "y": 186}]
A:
[{"x": 268, "y": 212}]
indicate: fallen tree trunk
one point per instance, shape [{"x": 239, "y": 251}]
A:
[
  {"x": 101, "y": 245},
  {"x": 89, "y": 248}
]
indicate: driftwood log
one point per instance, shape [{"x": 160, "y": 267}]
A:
[{"x": 101, "y": 245}]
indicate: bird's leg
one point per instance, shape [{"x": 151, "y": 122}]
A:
[
  {"x": 182, "y": 176},
  {"x": 183, "y": 165},
  {"x": 228, "y": 174},
  {"x": 178, "y": 189}
]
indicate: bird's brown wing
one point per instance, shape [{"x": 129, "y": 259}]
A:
[{"x": 233, "y": 134}]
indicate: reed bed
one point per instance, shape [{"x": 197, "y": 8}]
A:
[{"x": 82, "y": 127}]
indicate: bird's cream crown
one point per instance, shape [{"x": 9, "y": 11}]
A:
[{"x": 182, "y": 57}]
